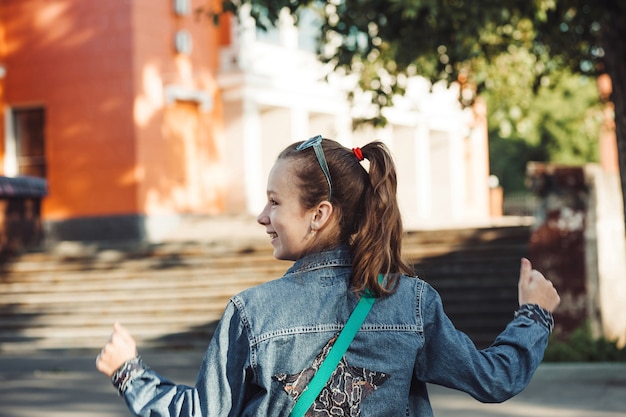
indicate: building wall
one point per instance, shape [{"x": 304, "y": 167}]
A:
[
  {"x": 72, "y": 58},
  {"x": 176, "y": 116},
  {"x": 132, "y": 124}
]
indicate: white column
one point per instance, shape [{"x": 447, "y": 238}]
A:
[
  {"x": 252, "y": 153},
  {"x": 299, "y": 124},
  {"x": 479, "y": 143},
  {"x": 288, "y": 32},
  {"x": 607, "y": 210},
  {"x": 343, "y": 126},
  {"x": 245, "y": 38},
  {"x": 10, "y": 145},
  {"x": 457, "y": 175},
  {"x": 422, "y": 171}
]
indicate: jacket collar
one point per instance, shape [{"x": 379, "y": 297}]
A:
[{"x": 339, "y": 256}]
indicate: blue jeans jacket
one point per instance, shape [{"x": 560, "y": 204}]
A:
[{"x": 272, "y": 337}]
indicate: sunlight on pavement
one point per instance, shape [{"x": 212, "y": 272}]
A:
[{"x": 447, "y": 406}]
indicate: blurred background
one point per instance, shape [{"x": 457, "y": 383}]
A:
[{"x": 136, "y": 137}]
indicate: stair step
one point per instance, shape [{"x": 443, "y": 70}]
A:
[
  {"x": 64, "y": 265},
  {"x": 105, "y": 305},
  {"x": 146, "y": 281}
]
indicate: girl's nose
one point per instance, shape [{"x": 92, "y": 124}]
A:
[{"x": 262, "y": 218}]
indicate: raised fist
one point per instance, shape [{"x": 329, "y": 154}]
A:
[
  {"x": 534, "y": 288},
  {"x": 119, "y": 348}
]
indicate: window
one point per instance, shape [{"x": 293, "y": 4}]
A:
[{"x": 28, "y": 144}]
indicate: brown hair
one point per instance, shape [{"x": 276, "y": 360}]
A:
[{"x": 365, "y": 205}]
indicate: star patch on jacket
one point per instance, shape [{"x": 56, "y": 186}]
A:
[{"x": 344, "y": 391}]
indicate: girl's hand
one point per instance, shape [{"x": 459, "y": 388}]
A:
[
  {"x": 534, "y": 288},
  {"x": 119, "y": 348}
]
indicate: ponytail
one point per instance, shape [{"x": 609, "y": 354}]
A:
[{"x": 377, "y": 242}]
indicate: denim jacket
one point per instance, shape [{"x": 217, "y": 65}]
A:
[{"x": 271, "y": 339}]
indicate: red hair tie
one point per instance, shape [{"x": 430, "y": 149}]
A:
[{"x": 357, "y": 152}]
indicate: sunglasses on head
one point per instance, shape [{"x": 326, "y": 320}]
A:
[{"x": 316, "y": 143}]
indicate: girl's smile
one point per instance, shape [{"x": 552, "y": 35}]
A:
[{"x": 287, "y": 223}]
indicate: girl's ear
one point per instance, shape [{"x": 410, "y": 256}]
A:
[{"x": 321, "y": 215}]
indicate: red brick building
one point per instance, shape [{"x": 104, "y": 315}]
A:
[{"x": 115, "y": 104}]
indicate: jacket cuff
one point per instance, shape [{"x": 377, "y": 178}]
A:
[
  {"x": 126, "y": 373},
  {"x": 538, "y": 314}
]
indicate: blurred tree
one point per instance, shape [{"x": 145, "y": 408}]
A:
[
  {"x": 558, "y": 123},
  {"x": 459, "y": 40}
]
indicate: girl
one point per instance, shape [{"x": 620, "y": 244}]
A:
[{"x": 342, "y": 227}]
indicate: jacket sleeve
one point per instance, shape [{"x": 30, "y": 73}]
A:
[
  {"x": 495, "y": 374},
  {"x": 220, "y": 387}
]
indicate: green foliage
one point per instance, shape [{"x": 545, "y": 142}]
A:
[
  {"x": 558, "y": 123},
  {"x": 567, "y": 120},
  {"x": 384, "y": 41},
  {"x": 581, "y": 346},
  {"x": 508, "y": 158},
  {"x": 446, "y": 40},
  {"x": 525, "y": 56}
]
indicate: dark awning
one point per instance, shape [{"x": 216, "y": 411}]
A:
[{"x": 23, "y": 187}]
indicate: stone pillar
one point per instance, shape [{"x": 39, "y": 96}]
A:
[
  {"x": 606, "y": 253},
  {"x": 579, "y": 243},
  {"x": 557, "y": 242}
]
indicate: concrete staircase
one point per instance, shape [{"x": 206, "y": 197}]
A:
[
  {"x": 475, "y": 271},
  {"x": 171, "y": 296},
  {"x": 168, "y": 296}
]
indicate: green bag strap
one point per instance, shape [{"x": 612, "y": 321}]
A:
[{"x": 333, "y": 358}]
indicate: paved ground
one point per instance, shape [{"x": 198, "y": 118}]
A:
[{"x": 67, "y": 384}]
